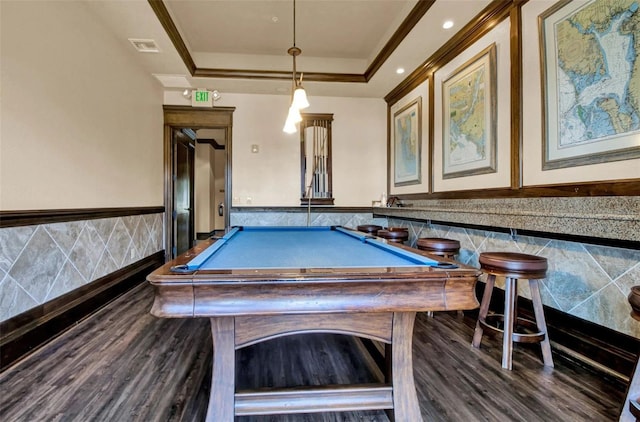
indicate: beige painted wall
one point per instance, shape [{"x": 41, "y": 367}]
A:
[
  {"x": 81, "y": 125},
  {"x": 271, "y": 177}
]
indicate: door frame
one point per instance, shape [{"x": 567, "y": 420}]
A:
[{"x": 187, "y": 117}]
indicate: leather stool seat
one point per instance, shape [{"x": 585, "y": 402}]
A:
[
  {"x": 394, "y": 234},
  {"x": 439, "y": 246},
  {"x": 513, "y": 266},
  {"x": 514, "y": 263},
  {"x": 369, "y": 228}
]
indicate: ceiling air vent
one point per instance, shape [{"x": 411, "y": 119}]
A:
[{"x": 145, "y": 46}]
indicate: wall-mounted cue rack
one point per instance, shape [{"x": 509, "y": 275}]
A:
[{"x": 315, "y": 159}]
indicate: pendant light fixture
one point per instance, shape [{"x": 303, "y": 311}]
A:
[{"x": 299, "y": 96}]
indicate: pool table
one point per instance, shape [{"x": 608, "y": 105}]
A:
[{"x": 259, "y": 283}]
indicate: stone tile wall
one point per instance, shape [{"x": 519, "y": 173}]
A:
[
  {"x": 40, "y": 263},
  {"x": 588, "y": 281},
  {"x": 299, "y": 218}
]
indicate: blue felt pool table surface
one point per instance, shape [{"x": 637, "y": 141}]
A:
[{"x": 303, "y": 247}]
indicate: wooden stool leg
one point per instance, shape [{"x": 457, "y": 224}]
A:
[
  {"x": 541, "y": 322},
  {"x": 484, "y": 309},
  {"x": 510, "y": 296}
]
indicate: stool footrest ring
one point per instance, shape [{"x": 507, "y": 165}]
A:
[{"x": 534, "y": 336}]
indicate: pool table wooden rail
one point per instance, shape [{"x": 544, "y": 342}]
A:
[
  {"x": 210, "y": 293},
  {"x": 416, "y": 293}
]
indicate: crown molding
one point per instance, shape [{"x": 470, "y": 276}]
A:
[{"x": 414, "y": 16}]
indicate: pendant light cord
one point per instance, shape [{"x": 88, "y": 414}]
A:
[{"x": 295, "y": 84}]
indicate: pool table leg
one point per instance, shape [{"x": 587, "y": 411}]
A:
[
  {"x": 222, "y": 399},
  {"x": 405, "y": 398},
  {"x": 388, "y": 376}
]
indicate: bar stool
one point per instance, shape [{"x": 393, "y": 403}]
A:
[
  {"x": 394, "y": 234},
  {"x": 514, "y": 266},
  {"x": 447, "y": 248},
  {"x": 440, "y": 246},
  {"x": 371, "y": 229}
]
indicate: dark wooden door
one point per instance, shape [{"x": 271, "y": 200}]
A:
[{"x": 183, "y": 221}]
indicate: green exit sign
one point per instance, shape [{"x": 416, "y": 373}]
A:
[{"x": 201, "y": 98}]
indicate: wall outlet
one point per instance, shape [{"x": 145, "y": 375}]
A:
[{"x": 133, "y": 253}]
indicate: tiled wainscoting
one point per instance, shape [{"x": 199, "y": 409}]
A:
[
  {"x": 299, "y": 218},
  {"x": 588, "y": 281},
  {"x": 40, "y": 263}
]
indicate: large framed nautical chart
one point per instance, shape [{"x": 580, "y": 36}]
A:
[{"x": 591, "y": 82}]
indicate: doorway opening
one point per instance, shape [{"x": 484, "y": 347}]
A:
[
  {"x": 197, "y": 151},
  {"x": 210, "y": 204}
]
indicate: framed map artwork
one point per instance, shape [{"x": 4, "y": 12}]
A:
[
  {"x": 591, "y": 82},
  {"x": 407, "y": 137},
  {"x": 469, "y": 117}
]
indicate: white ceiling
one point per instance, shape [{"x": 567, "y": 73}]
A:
[{"x": 336, "y": 36}]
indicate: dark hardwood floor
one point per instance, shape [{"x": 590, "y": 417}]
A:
[{"x": 122, "y": 364}]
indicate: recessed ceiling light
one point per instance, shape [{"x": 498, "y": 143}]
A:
[
  {"x": 400, "y": 70},
  {"x": 274, "y": 19},
  {"x": 447, "y": 24}
]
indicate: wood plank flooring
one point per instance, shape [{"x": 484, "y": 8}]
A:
[{"x": 122, "y": 364}]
